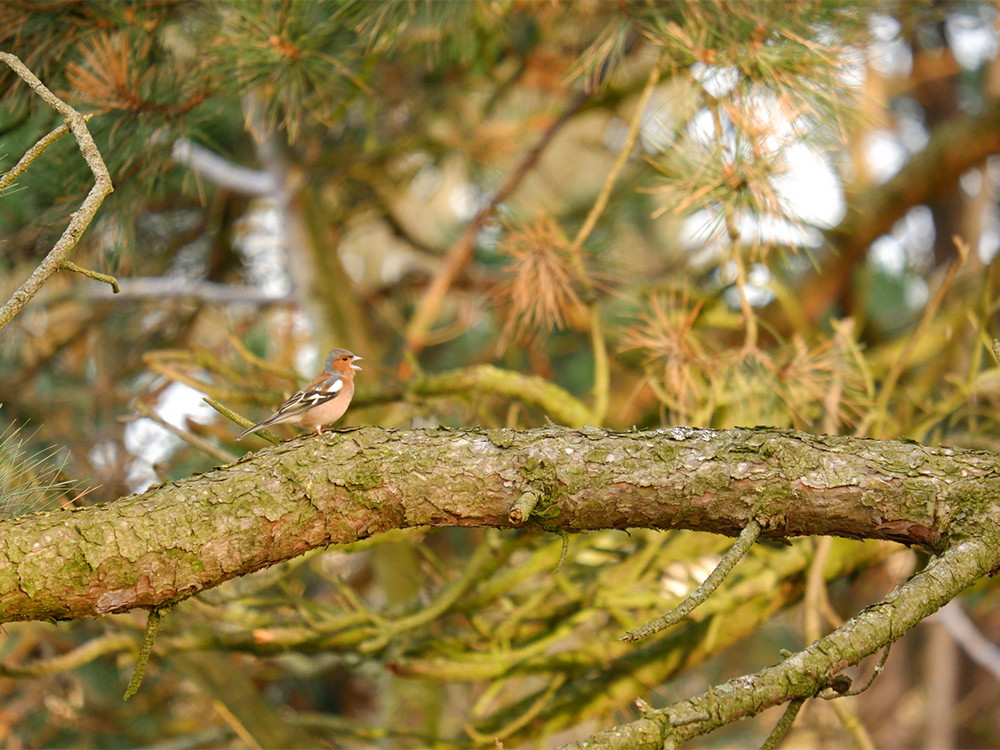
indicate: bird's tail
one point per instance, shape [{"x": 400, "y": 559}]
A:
[{"x": 251, "y": 430}]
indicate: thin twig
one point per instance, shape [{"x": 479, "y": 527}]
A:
[
  {"x": 852, "y": 725},
  {"x": 222, "y": 172},
  {"x": 815, "y": 586},
  {"x": 258, "y": 362},
  {"x": 745, "y": 541},
  {"x": 145, "y": 650},
  {"x": 169, "y": 287},
  {"x": 483, "y": 561},
  {"x": 735, "y": 240},
  {"x": 91, "y": 274},
  {"x": 533, "y": 710},
  {"x": 875, "y": 673},
  {"x": 559, "y": 404},
  {"x": 835, "y": 394},
  {"x": 968, "y": 636},
  {"x": 236, "y": 725},
  {"x": 241, "y": 421},
  {"x": 783, "y": 725},
  {"x": 602, "y": 365},
  {"x": 816, "y": 602},
  {"x": 601, "y": 202}
]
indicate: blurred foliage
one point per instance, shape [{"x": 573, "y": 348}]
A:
[
  {"x": 30, "y": 480},
  {"x": 670, "y": 289}
]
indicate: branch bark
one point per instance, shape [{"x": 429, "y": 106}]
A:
[{"x": 175, "y": 540}]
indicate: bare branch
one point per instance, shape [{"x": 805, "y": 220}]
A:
[
  {"x": 91, "y": 274},
  {"x": 82, "y": 218},
  {"x": 783, "y": 725},
  {"x": 33, "y": 153},
  {"x": 196, "y": 441},
  {"x": 748, "y": 536},
  {"x": 112, "y": 643}
]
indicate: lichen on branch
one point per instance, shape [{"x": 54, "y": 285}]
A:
[{"x": 172, "y": 541}]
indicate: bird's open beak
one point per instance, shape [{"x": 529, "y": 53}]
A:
[{"x": 356, "y": 358}]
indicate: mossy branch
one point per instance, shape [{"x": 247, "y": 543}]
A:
[
  {"x": 145, "y": 651},
  {"x": 175, "y": 540},
  {"x": 808, "y": 672},
  {"x": 171, "y": 542}
]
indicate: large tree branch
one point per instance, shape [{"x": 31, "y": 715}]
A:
[{"x": 178, "y": 539}]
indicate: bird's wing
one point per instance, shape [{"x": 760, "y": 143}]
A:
[
  {"x": 318, "y": 392},
  {"x": 324, "y": 388}
]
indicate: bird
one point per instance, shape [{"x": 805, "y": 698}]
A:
[{"x": 320, "y": 403}]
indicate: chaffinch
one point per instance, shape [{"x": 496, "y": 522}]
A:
[{"x": 323, "y": 401}]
